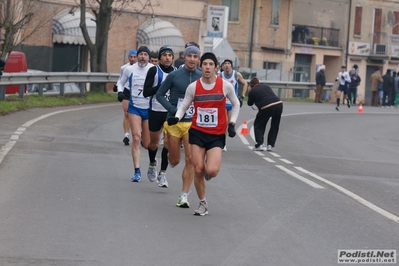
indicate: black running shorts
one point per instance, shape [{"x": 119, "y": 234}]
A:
[
  {"x": 207, "y": 141},
  {"x": 156, "y": 120}
]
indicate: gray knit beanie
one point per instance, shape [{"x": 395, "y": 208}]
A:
[{"x": 192, "y": 50}]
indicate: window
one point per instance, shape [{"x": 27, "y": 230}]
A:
[
  {"x": 274, "y": 18},
  {"x": 358, "y": 21},
  {"x": 395, "y": 30},
  {"x": 234, "y": 6},
  {"x": 269, "y": 65},
  {"x": 377, "y": 25}
]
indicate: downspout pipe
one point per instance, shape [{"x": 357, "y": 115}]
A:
[
  {"x": 348, "y": 36},
  {"x": 252, "y": 36}
]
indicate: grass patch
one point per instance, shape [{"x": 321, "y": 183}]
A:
[
  {"x": 13, "y": 103},
  {"x": 298, "y": 100}
]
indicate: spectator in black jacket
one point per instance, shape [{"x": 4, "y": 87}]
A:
[
  {"x": 269, "y": 106},
  {"x": 320, "y": 82},
  {"x": 393, "y": 90},
  {"x": 387, "y": 87},
  {"x": 355, "y": 81},
  {"x": 179, "y": 61}
]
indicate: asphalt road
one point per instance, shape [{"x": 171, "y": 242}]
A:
[{"x": 66, "y": 197}]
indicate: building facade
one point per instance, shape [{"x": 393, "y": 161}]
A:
[
  {"x": 373, "y": 40},
  {"x": 273, "y": 39}
]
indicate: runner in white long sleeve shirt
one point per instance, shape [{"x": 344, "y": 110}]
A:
[
  {"x": 207, "y": 134},
  {"x": 344, "y": 79}
]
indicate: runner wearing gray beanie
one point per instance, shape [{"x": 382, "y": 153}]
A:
[{"x": 192, "y": 50}]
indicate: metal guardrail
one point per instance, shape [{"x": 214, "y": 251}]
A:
[
  {"x": 25, "y": 78},
  {"x": 293, "y": 85}
]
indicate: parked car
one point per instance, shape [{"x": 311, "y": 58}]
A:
[
  {"x": 69, "y": 87},
  {"x": 32, "y": 88}
]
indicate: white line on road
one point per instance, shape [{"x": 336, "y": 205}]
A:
[
  {"x": 353, "y": 196},
  {"x": 275, "y": 154},
  {"x": 15, "y": 136},
  {"x": 286, "y": 161},
  {"x": 268, "y": 159},
  {"x": 299, "y": 177}
]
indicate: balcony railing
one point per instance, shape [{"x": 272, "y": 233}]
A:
[{"x": 315, "y": 35}]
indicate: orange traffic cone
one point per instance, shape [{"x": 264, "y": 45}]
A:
[
  {"x": 360, "y": 109},
  {"x": 244, "y": 129}
]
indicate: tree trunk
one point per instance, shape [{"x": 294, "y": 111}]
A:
[{"x": 98, "y": 50}]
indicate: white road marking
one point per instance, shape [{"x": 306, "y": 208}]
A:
[
  {"x": 275, "y": 154},
  {"x": 259, "y": 153},
  {"x": 339, "y": 188},
  {"x": 242, "y": 137},
  {"x": 299, "y": 177},
  {"x": 268, "y": 159},
  {"x": 286, "y": 161},
  {"x": 353, "y": 196},
  {"x": 6, "y": 148},
  {"x": 15, "y": 136}
]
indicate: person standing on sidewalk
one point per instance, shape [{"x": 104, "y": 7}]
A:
[
  {"x": 375, "y": 80},
  {"x": 320, "y": 82},
  {"x": 269, "y": 106},
  {"x": 157, "y": 114},
  {"x": 387, "y": 87},
  {"x": 355, "y": 82},
  {"x": 207, "y": 134}
]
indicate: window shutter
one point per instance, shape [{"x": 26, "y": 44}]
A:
[{"x": 358, "y": 21}]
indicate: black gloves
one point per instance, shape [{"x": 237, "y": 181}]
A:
[
  {"x": 231, "y": 130},
  {"x": 173, "y": 120},
  {"x": 115, "y": 88},
  {"x": 241, "y": 98},
  {"x": 121, "y": 96}
]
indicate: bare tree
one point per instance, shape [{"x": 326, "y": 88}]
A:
[
  {"x": 14, "y": 16},
  {"x": 105, "y": 11}
]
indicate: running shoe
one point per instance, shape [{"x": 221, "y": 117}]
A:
[
  {"x": 126, "y": 141},
  {"x": 224, "y": 148},
  {"x": 137, "y": 176},
  {"x": 269, "y": 148},
  {"x": 152, "y": 171},
  {"x": 206, "y": 176},
  {"x": 336, "y": 108},
  {"x": 162, "y": 182},
  {"x": 202, "y": 209},
  {"x": 259, "y": 148},
  {"x": 349, "y": 104},
  {"x": 183, "y": 201}
]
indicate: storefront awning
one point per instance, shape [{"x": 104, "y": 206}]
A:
[
  {"x": 65, "y": 27},
  {"x": 156, "y": 32}
]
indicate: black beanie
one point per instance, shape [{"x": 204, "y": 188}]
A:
[
  {"x": 143, "y": 49},
  {"x": 209, "y": 55},
  {"x": 228, "y": 60}
]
